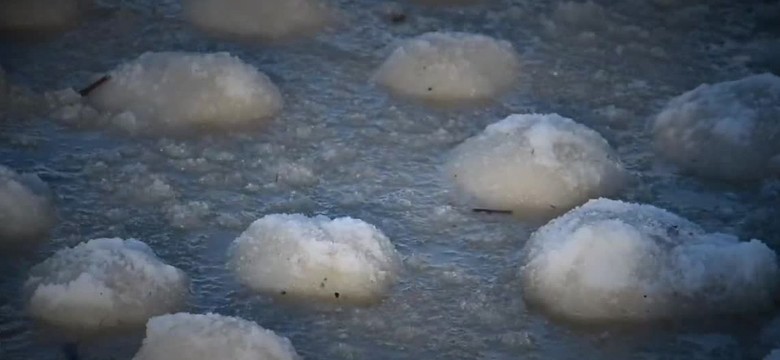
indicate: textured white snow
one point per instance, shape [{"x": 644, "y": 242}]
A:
[
  {"x": 103, "y": 284},
  {"x": 450, "y": 67},
  {"x": 343, "y": 259},
  {"x": 186, "y": 336},
  {"x": 726, "y": 131},
  {"x": 534, "y": 164},
  {"x": 39, "y": 15},
  {"x": 26, "y": 211},
  {"x": 773, "y": 355},
  {"x": 264, "y": 19},
  {"x": 174, "y": 90},
  {"x": 610, "y": 260}
]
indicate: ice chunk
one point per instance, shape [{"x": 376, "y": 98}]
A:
[
  {"x": 104, "y": 284},
  {"x": 609, "y": 260},
  {"x": 263, "y": 19},
  {"x": 173, "y": 90},
  {"x": 534, "y": 164},
  {"x": 450, "y": 67},
  {"x": 726, "y": 131},
  {"x": 39, "y": 15},
  {"x": 343, "y": 260},
  {"x": 26, "y": 211},
  {"x": 185, "y": 336}
]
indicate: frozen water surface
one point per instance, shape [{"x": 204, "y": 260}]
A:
[{"x": 341, "y": 146}]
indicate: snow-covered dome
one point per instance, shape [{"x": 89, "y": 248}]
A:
[
  {"x": 263, "y": 19},
  {"x": 104, "y": 284},
  {"x": 450, "y": 68},
  {"x": 40, "y": 15},
  {"x": 174, "y": 90},
  {"x": 534, "y": 164},
  {"x": 185, "y": 336},
  {"x": 26, "y": 211},
  {"x": 610, "y": 260},
  {"x": 728, "y": 130},
  {"x": 344, "y": 259}
]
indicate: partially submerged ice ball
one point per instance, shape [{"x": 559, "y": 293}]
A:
[
  {"x": 443, "y": 67},
  {"x": 186, "y": 336},
  {"x": 726, "y": 131},
  {"x": 534, "y": 165},
  {"x": 26, "y": 210},
  {"x": 40, "y": 15},
  {"x": 343, "y": 260},
  {"x": 262, "y": 19},
  {"x": 104, "y": 284},
  {"x": 614, "y": 261},
  {"x": 176, "y": 90}
]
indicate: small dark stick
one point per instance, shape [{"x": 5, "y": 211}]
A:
[
  {"x": 71, "y": 351},
  {"x": 85, "y": 91},
  {"x": 491, "y": 211}
]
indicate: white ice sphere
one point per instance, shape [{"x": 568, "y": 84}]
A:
[
  {"x": 534, "y": 164},
  {"x": 263, "y": 19},
  {"x": 450, "y": 67},
  {"x": 614, "y": 261},
  {"x": 104, "y": 284},
  {"x": 26, "y": 211},
  {"x": 344, "y": 259},
  {"x": 186, "y": 336},
  {"x": 175, "y": 90},
  {"x": 725, "y": 131},
  {"x": 39, "y": 15}
]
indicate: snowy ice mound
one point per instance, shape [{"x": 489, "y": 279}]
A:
[
  {"x": 103, "y": 284},
  {"x": 534, "y": 164},
  {"x": 263, "y": 19},
  {"x": 344, "y": 259},
  {"x": 186, "y": 336},
  {"x": 725, "y": 131},
  {"x": 172, "y": 90},
  {"x": 39, "y": 15},
  {"x": 613, "y": 261},
  {"x": 450, "y": 67},
  {"x": 26, "y": 211}
]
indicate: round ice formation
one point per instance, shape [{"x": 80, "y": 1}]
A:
[
  {"x": 207, "y": 337},
  {"x": 265, "y": 19},
  {"x": 610, "y": 260},
  {"x": 535, "y": 164},
  {"x": 102, "y": 284},
  {"x": 179, "y": 90},
  {"x": 39, "y": 15},
  {"x": 343, "y": 259},
  {"x": 728, "y": 130},
  {"x": 26, "y": 211},
  {"x": 450, "y": 67}
]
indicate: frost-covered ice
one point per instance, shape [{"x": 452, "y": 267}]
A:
[
  {"x": 610, "y": 260},
  {"x": 26, "y": 210},
  {"x": 103, "y": 284},
  {"x": 343, "y": 259},
  {"x": 39, "y": 15},
  {"x": 727, "y": 130},
  {"x": 181, "y": 91},
  {"x": 264, "y": 19},
  {"x": 534, "y": 164},
  {"x": 186, "y": 336},
  {"x": 450, "y": 67}
]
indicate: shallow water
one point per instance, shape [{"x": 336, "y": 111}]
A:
[{"x": 342, "y": 147}]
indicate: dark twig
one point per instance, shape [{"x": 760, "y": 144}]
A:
[
  {"x": 85, "y": 91},
  {"x": 492, "y": 211}
]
